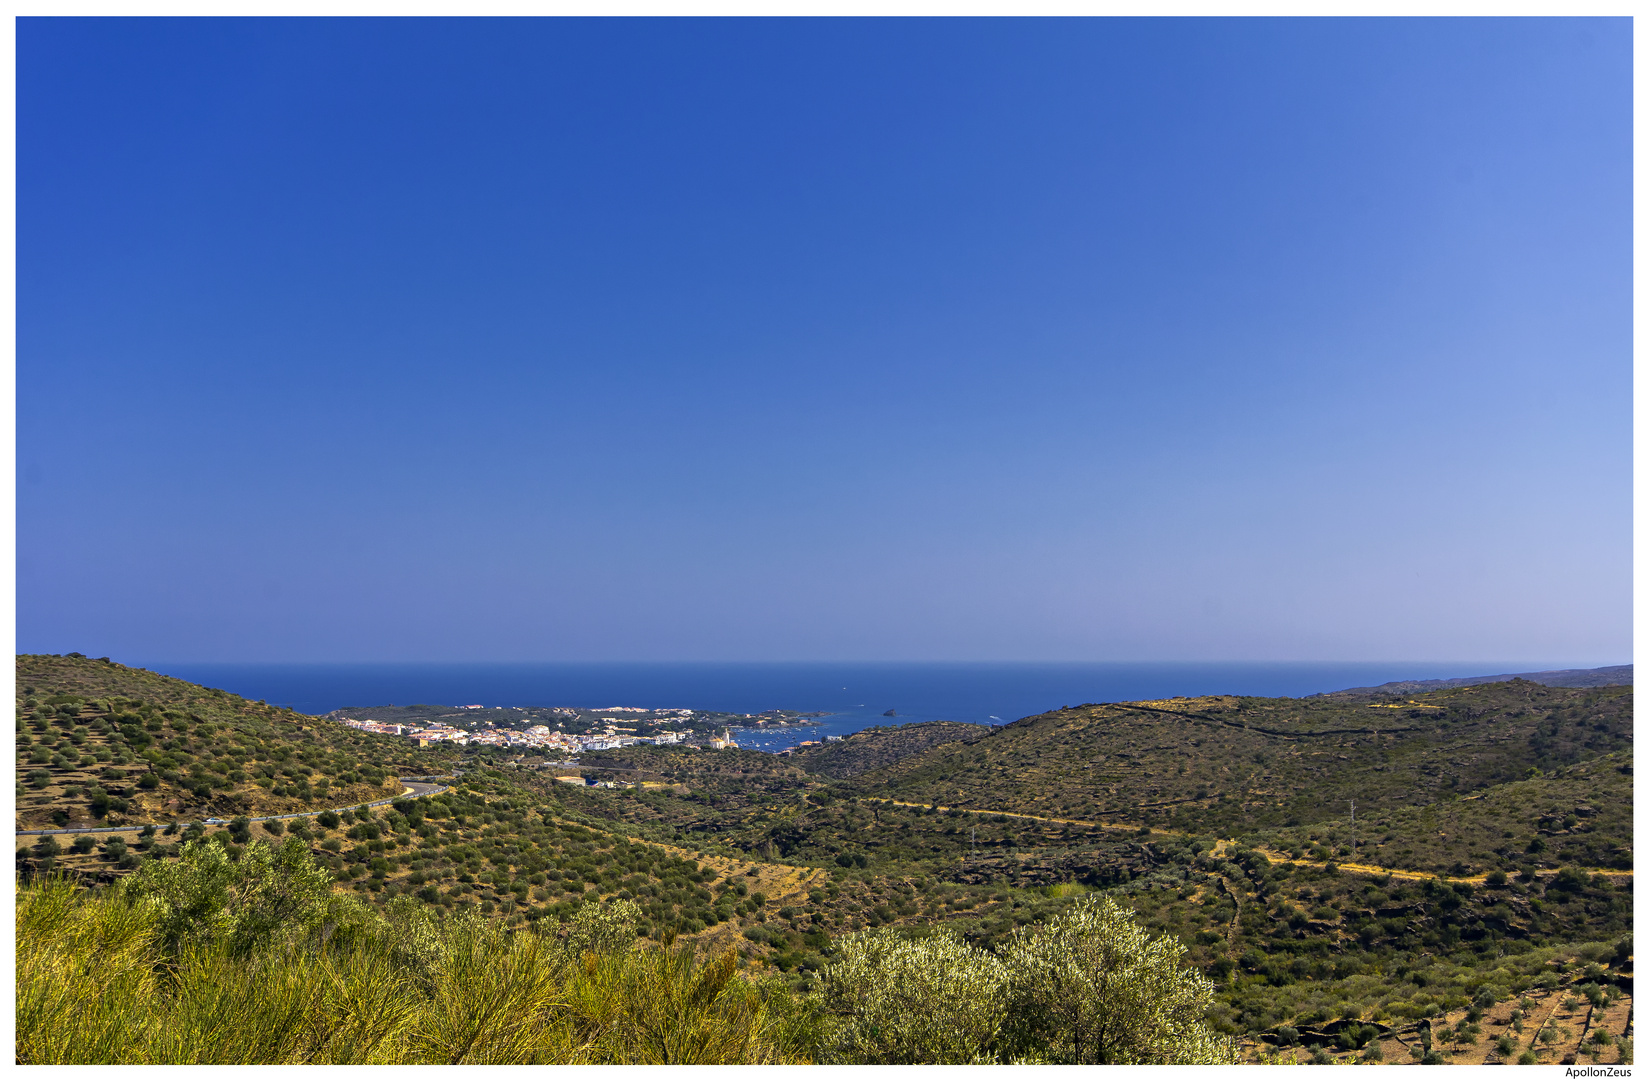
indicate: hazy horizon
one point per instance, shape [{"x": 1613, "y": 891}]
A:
[
  {"x": 1504, "y": 666},
  {"x": 920, "y": 692}
]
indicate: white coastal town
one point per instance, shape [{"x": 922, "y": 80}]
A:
[{"x": 537, "y": 736}]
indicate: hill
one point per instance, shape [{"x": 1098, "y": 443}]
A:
[
  {"x": 511, "y": 844},
  {"x": 102, "y": 743},
  {"x": 875, "y": 747},
  {"x": 1493, "y": 839},
  {"x": 1227, "y": 764},
  {"x": 1619, "y": 675},
  {"x": 1581, "y": 815}
]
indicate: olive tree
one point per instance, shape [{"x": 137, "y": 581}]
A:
[
  {"x": 1089, "y": 986},
  {"x": 898, "y": 1001},
  {"x": 601, "y": 928},
  {"x": 205, "y": 897}
]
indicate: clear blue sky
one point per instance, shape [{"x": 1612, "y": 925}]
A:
[{"x": 562, "y": 340}]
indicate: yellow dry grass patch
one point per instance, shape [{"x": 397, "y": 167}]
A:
[
  {"x": 1219, "y": 702},
  {"x": 782, "y": 884}
]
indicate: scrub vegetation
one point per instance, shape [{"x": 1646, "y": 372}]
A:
[
  {"x": 1205, "y": 846},
  {"x": 99, "y": 743}
]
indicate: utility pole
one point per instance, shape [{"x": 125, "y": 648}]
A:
[
  {"x": 973, "y": 841},
  {"x": 1354, "y": 830}
]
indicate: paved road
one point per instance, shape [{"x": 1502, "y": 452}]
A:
[{"x": 416, "y": 787}]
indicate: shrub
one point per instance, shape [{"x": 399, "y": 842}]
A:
[
  {"x": 1089, "y": 987},
  {"x": 666, "y": 1006},
  {"x": 85, "y": 975},
  {"x": 204, "y": 898},
  {"x": 901, "y": 1002}
]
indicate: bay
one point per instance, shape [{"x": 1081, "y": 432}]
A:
[{"x": 852, "y": 695}]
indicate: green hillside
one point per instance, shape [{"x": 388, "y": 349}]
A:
[
  {"x": 1225, "y": 765},
  {"x": 1581, "y": 815},
  {"x": 875, "y": 747},
  {"x": 1492, "y": 844},
  {"x": 99, "y": 743}
]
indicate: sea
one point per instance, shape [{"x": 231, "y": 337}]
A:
[{"x": 851, "y": 696}]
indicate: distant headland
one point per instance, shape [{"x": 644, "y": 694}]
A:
[{"x": 1618, "y": 675}]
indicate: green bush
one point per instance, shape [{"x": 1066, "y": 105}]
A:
[
  {"x": 1087, "y": 987},
  {"x": 1090, "y": 987},
  {"x": 899, "y": 1002},
  {"x": 104, "y": 978},
  {"x": 203, "y": 898}
]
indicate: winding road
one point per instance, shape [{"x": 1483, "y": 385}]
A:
[{"x": 416, "y": 787}]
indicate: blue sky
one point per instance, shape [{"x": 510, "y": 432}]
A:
[{"x": 795, "y": 339}]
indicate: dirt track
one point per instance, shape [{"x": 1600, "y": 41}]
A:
[{"x": 1273, "y": 856}]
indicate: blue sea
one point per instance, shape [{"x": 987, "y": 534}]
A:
[{"x": 853, "y": 695}]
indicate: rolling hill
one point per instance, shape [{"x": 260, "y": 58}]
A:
[
  {"x": 102, "y": 743},
  {"x": 1227, "y": 764},
  {"x": 1493, "y": 836}
]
